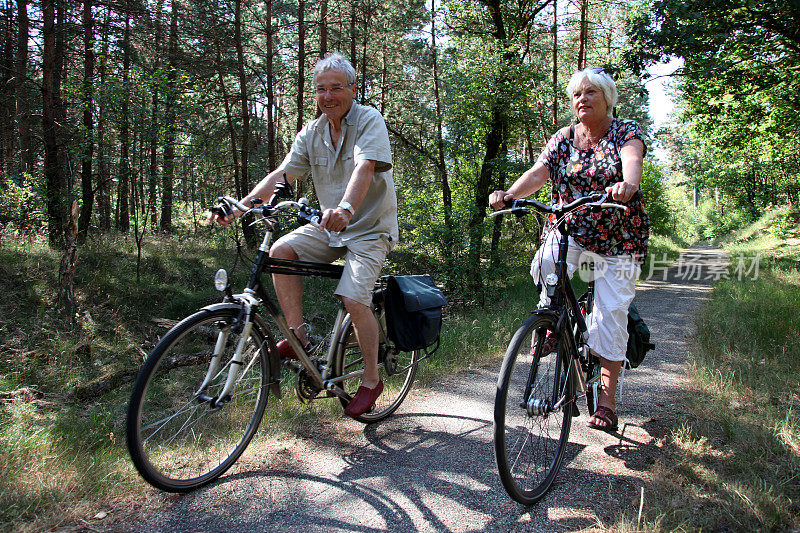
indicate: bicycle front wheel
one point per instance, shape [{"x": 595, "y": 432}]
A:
[
  {"x": 532, "y": 411},
  {"x": 180, "y": 433},
  {"x": 396, "y": 370}
]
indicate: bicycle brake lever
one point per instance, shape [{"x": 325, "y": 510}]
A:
[
  {"x": 616, "y": 206},
  {"x": 516, "y": 211}
]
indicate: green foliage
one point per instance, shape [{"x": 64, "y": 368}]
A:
[
  {"x": 738, "y": 90},
  {"x": 19, "y": 202},
  {"x": 662, "y": 220}
]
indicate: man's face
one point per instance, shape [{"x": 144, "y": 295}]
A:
[{"x": 334, "y": 95}]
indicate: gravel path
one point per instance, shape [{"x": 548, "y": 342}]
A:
[{"x": 431, "y": 466}]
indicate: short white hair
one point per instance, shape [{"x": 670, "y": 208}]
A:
[
  {"x": 335, "y": 61},
  {"x": 600, "y": 79}
]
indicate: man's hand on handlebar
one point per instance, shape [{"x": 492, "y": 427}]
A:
[
  {"x": 335, "y": 219},
  {"x": 500, "y": 199}
]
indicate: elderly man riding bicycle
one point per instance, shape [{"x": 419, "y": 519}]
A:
[{"x": 347, "y": 152}]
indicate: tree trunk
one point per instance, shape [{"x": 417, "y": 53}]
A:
[
  {"x": 242, "y": 93},
  {"x": 584, "y": 35},
  {"x": 21, "y": 74},
  {"x": 447, "y": 195},
  {"x": 272, "y": 157},
  {"x": 384, "y": 80},
  {"x": 66, "y": 270},
  {"x": 8, "y": 139},
  {"x": 555, "y": 62},
  {"x": 502, "y": 174},
  {"x": 367, "y": 16},
  {"x": 103, "y": 171},
  {"x": 301, "y": 61},
  {"x": 353, "y": 36},
  {"x": 154, "y": 122},
  {"x": 55, "y": 180},
  {"x": 323, "y": 28},
  {"x": 87, "y": 185},
  {"x": 248, "y": 230},
  {"x": 169, "y": 121},
  {"x": 231, "y": 128},
  {"x": 494, "y": 140},
  {"x": 123, "y": 222}
]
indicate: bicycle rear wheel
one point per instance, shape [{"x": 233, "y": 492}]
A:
[
  {"x": 179, "y": 436},
  {"x": 532, "y": 411},
  {"x": 396, "y": 370}
]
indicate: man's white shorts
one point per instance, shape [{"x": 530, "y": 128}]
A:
[{"x": 363, "y": 259}]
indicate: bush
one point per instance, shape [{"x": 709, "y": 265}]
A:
[
  {"x": 662, "y": 221},
  {"x": 15, "y": 202}
]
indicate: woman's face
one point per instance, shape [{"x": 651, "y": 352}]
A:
[{"x": 589, "y": 102}]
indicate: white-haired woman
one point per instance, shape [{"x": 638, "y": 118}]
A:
[{"x": 600, "y": 153}]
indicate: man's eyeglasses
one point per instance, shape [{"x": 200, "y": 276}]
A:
[{"x": 336, "y": 90}]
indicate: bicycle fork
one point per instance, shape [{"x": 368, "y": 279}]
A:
[{"x": 234, "y": 365}]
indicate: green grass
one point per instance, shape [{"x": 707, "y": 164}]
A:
[
  {"x": 661, "y": 251},
  {"x": 734, "y": 462}
]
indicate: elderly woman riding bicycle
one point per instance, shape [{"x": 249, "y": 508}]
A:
[{"x": 598, "y": 154}]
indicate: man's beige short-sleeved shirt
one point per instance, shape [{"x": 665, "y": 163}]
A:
[{"x": 364, "y": 136}]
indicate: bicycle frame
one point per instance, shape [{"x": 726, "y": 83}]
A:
[
  {"x": 255, "y": 296},
  {"x": 564, "y": 306},
  {"x": 564, "y": 303}
]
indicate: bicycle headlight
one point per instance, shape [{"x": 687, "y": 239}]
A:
[
  {"x": 551, "y": 279},
  {"x": 221, "y": 279}
]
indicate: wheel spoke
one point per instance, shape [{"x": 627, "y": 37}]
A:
[{"x": 349, "y": 362}]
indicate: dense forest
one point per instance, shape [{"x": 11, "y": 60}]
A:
[{"x": 143, "y": 112}]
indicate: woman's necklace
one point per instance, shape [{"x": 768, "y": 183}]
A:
[{"x": 591, "y": 141}]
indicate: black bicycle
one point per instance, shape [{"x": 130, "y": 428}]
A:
[
  {"x": 202, "y": 391},
  {"x": 547, "y": 368}
]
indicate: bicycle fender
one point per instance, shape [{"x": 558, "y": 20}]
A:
[
  {"x": 274, "y": 358},
  {"x": 544, "y": 311}
]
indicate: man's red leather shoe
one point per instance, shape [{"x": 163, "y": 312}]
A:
[
  {"x": 363, "y": 400},
  {"x": 285, "y": 349}
]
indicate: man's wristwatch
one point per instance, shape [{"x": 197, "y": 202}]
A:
[{"x": 347, "y": 207}]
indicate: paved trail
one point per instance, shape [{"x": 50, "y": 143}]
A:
[{"x": 431, "y": 466}]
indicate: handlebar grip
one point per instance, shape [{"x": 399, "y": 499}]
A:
[{"x": 221, "y": 210}]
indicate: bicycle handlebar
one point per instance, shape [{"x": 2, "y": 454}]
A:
[
  {"x": 304, "y": 212},
  {"x": 517, "y": 207}
]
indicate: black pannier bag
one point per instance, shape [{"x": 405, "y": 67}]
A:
[
  {"x": 413, "y": 312},
  {"x": 638, "y": 338}
]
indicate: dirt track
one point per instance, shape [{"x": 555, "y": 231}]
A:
[{"x": 431, "y": 466}]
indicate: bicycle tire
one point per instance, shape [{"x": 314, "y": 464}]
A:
[
  {"x": 395, "y": 386},
  {"x": 530, "y": 442},
  {"x": 177, "y": 440}
]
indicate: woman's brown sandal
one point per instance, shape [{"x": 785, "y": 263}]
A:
[{"x": 607, "y": 416}]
